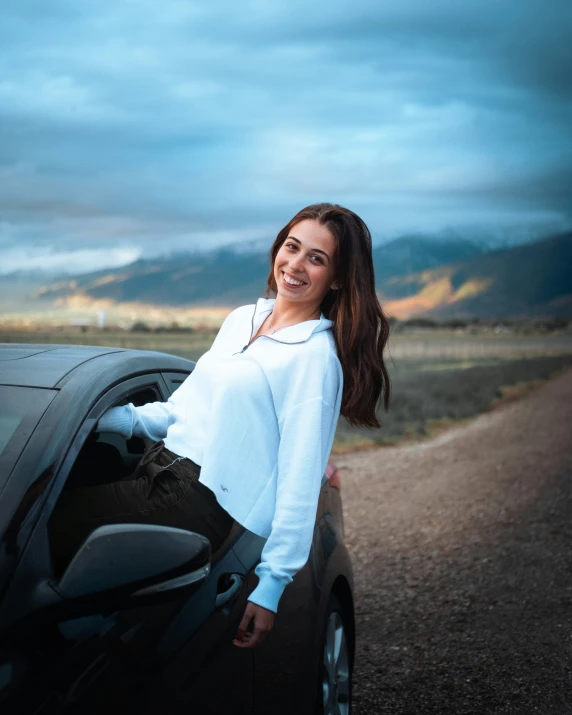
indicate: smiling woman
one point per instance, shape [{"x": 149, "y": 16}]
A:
[
  {"x": 247, "y": 436},
  {"x": 323, "y": 258},
  {"x": 305, "y": 262}
]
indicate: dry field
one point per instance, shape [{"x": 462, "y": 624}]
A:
[
  {"x": 413, "y": 345},
  {"x": 437, "y": 377},
  {"x": 189, "y": 345},
  {"x": 429, "y": 396}
]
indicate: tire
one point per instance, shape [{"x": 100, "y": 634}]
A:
[{"x": 335, "y": 672}]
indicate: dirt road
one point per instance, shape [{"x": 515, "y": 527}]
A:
[{"x": 462, "y": 550}]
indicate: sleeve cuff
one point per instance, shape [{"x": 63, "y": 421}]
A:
[
  {"x": 117, "y": 419},
  {"x": 268, "y": 592}
]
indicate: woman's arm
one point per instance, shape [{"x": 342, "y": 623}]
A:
[
  {"x": 305, "y": 442},
  {"x": 150, "y": 421}
]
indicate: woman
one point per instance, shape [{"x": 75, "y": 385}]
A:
[{"x": 247, "y": 436}]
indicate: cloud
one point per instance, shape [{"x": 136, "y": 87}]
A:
[
  {"x": 189, "y": 124},
  {"x": 61, "y": 262}
]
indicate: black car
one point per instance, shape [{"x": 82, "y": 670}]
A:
[{"x": 143, "y": 617}]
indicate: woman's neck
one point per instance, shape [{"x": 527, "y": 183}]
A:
[{"x": 286, "y": 311}]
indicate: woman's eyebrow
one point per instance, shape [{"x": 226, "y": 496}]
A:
[{"x": 316, "y": 250}]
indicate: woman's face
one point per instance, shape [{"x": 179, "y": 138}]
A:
[{"x": 304, "y": 268}]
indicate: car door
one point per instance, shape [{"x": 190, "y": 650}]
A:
[
  {"x": 50, "y": 666},
  {"x": 167, "y": 658},
  {"x": 174, "y": 657}
]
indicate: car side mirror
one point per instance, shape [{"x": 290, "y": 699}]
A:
[
  {"x": 121, "y": 566},
  {"x": 135, "y": 560}
]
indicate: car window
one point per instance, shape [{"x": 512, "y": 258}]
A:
[
  {"x": 175, "y": 379},
  {"x": 107, "y": 456},
  {"x": 20, "y": 411},
  {"x": 104, "y": 458}
]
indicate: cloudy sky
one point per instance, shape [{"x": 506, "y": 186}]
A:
[{"x": 133, "y": 128}]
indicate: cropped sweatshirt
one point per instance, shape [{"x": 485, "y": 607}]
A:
[{"x": 259, "y": 419}]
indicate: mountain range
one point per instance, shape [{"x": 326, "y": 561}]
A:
[
  {"x": 414, "y": 276},
  {"x": 526, "y": 281}
]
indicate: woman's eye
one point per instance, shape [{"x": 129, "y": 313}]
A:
[{"x": 315, "y": 259}]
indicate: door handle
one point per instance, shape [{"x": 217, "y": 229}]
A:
[{"x": 224, "y": 598}]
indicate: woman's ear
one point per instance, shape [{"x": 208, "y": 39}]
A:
[{"x": 335, "y": 285}]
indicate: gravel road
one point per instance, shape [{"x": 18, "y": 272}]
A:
[{"x": 462, "y": 551}]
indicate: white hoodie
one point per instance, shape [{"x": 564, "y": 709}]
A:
[{"x": 260, "y": 421}]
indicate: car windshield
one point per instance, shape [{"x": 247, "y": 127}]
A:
[{"x": 20, "y": 412}]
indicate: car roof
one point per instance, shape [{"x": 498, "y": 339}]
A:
[{"x": 47, "y": 365}]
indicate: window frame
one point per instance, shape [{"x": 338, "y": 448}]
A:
[
  {"x": 174, "y": 379},
  {"x": 105, "y": 401}
]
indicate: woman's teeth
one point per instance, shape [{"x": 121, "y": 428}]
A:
[{"x": 291, "y": 281}]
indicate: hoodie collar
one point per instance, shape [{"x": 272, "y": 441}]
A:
[{"x": 297, "y": 333}]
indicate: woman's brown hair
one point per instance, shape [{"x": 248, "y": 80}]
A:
[{"x": 361, "y": 328}]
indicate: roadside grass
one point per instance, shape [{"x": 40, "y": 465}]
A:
[
  {"x": 417, "y": 350},
  {"x": 188, "y": 345},
  {"x": 428, "y": 399},
  {"x": 436, "y": 381}
]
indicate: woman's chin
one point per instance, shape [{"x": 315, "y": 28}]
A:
[{"x": 286, "y": 294}]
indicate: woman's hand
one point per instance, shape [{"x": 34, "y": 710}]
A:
[{"x": 263, "y": 622}]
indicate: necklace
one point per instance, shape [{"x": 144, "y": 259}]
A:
[{"x": 280, "y": 328}]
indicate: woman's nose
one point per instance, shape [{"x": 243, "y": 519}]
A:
[{"x": 296, "y": 263}]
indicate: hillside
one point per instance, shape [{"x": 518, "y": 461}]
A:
[
  {"x": 531, "y": 280},
  {"x": 229, "y": 277},
  {"x": 415, "y": 276}
]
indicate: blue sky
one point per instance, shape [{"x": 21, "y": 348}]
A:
[{"x": 132, "y": 129}]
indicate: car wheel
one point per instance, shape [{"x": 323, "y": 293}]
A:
[{"x": 334, "y": 696}]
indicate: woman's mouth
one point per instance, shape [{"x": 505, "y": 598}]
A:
[{"x": 292, "y": 282}]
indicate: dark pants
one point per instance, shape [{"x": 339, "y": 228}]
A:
[{"x": 163, "y": 490}]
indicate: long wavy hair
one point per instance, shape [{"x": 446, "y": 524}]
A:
[{"x": 361, "y": 328}]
